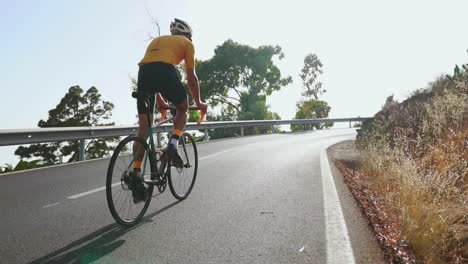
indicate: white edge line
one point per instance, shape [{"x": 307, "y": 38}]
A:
[
  {"x": 90, "y": 192},
  {"x": 218, "y": 153},
  {"x": 339, "y": 248},
  {"x": 102, "y": 188},
  {"x": 50, "y": 205}
]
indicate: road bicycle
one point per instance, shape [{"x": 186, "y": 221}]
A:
[{"x": 156, "y": 170}]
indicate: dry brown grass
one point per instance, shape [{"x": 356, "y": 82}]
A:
[
  {"x": 415, "y": 156},
  {"x": 380, "y": 214}
]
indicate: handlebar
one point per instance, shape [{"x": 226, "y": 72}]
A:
[{"x": 164, "y": 113}]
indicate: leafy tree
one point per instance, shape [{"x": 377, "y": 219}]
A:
[
  {"x": 239, "y": 78},
  {"x": 74, "y": 110},
  {"x": 24, "y": 165},
  {"x": 309, "y": 75},
  {"x": 311, "y": 109}
]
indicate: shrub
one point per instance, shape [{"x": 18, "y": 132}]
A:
[{"x": 415, "y": 154}]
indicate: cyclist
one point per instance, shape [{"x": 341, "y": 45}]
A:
[{"x": 158, "y": 77}]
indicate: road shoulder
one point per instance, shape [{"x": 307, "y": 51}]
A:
[{"x": 365, "y": 246}]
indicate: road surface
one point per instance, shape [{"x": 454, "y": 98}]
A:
[{"x": 257, "y": 199}]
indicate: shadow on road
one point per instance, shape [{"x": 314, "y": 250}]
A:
[{"x": 96, "y": 245}]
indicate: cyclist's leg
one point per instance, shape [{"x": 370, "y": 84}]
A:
[
  {"x": 143, "y": 128},
  {"x": 139, "y": 191},
  {"x": 180, "y": 121},
  {"x": 146, "y": 83},
  {"x": 172, "y": 89},
  {"x": 179, "y": 125}
]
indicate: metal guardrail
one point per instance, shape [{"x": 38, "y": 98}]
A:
[{"x": 10, "y": 137}]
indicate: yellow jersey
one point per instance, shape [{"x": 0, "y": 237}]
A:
[{"x": 170, "y": 49}]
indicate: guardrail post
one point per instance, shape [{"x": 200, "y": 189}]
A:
[
  {"x": 158, "y": 139},
  {"x": 349, "y": 124},
  {"x": 82, "y": 149},
  {"x": 242, "y": 131},
  {"x": 272, "y": 129},
  {"x": 206, "y": 135}
]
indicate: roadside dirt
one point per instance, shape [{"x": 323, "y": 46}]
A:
[{"x": 378, "y": 213}]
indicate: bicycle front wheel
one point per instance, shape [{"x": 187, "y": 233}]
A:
[
  {"x": 182, "y": 180},
  {"x": 121, "y": 182}
]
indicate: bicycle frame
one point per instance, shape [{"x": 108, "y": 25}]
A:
[
  {"x": 131, "y": 180},
  {"x": 161, "y": 121},
  {"x": 149, "y": 135}
]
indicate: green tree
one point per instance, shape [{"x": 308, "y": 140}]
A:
[
  {"x": 239, "y": 78},
  {"x": 24, "y": 165},
  {"x": 77, "y": 108},
  {"x": 309, "y": 75},
  {"x": 311, "y": 109}
]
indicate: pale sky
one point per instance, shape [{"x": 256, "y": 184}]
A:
[{"x": 369, "y": 49}]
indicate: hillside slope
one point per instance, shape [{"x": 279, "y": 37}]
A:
[{"x": 414, "y": 155}]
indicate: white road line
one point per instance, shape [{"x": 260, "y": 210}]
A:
[
  {"x": 338, "y": 244},
  {"x": 90, "y": 192},
  {"x": 115, "y": 184},
  {"x": 50, "y": 205},
  {"x": 218, "y": 153}
]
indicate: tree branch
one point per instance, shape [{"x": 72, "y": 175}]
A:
[
  {"x": 238, "y": 93},
  {"x": 233, "y": 98},
  {"x": 228, "y": 97},
  {"x": 227, "y": 102}
]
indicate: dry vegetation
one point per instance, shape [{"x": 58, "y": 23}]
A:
[{"x": 415, "y": 158}]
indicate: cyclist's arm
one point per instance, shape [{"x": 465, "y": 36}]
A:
[
  {"x": 161, "y": 101},
  {"x": 192, "y": 78},
  {"x": 194, "y": 87}
]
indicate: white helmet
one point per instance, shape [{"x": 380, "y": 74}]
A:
[{"x": 179, "y": 27}]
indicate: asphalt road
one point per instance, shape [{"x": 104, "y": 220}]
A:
[{"x": 257, "y": 199}]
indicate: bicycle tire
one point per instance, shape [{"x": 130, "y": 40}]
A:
[
  {"x": 123, "y": 152},
  {"x": 189, "y": 154}
]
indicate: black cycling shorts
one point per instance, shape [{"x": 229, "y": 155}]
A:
[{"x": 159, "y": 77}]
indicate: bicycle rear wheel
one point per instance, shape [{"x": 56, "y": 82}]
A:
[
  {"x": 121, "y": 181},
  {"x": 182, "y": 180}
]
